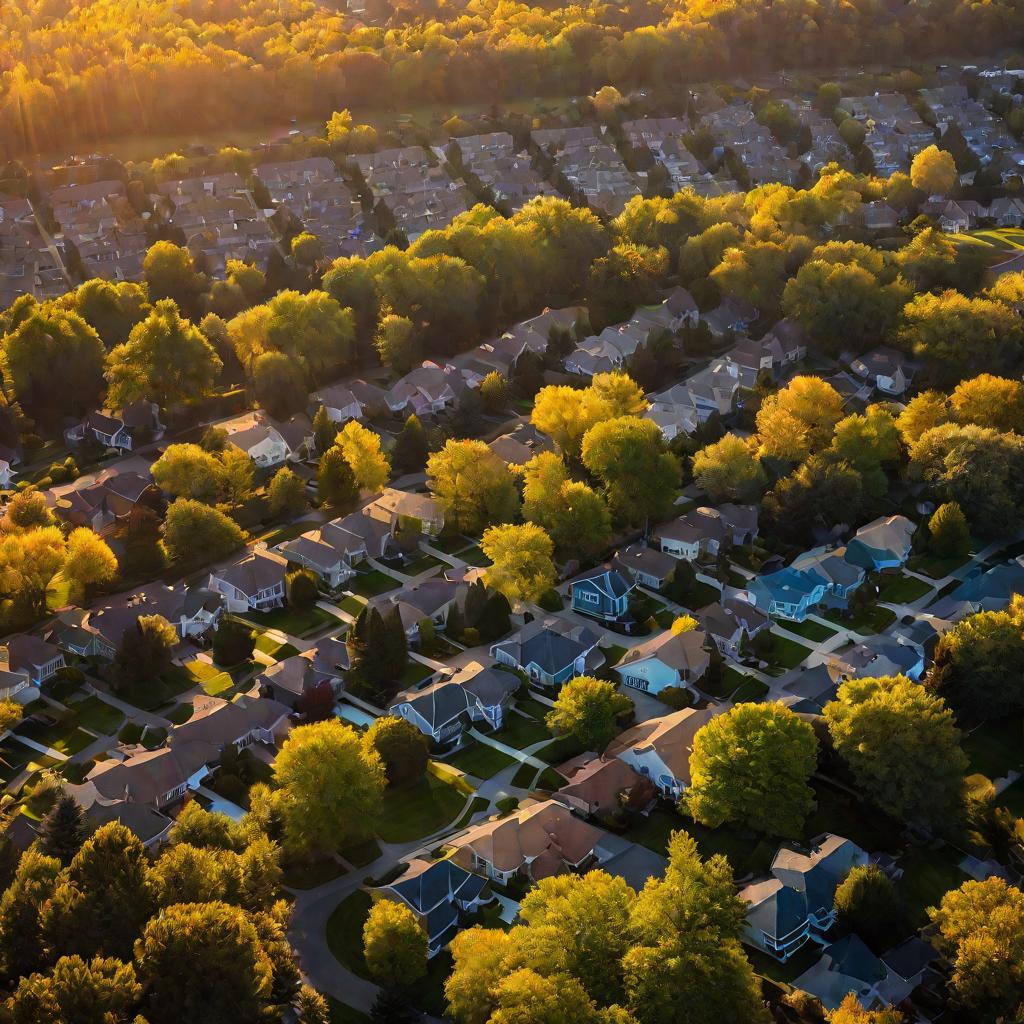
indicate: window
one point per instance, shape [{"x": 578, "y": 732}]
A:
[{"x": 588, "y": 596}]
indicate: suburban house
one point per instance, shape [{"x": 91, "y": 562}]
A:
[
  {"x": 882, "y": 544},
  {"x": 646, "y": 566},
  {"x": 788, "y": 593},
  {"x": 884, "y": 368},
  {"x": 109, "y": 502},
  {"x": 339, "y": 401},
  {"x": 430, "y": 600},
  {"x": 119, "y": 430},
  {"x": 34, "y": 657},
  {"x": 259, "y": 439},
  {"x": 880, "y": 656},
  {"x": 797, "y": 903},
  {"x": 392, "y": 505},
  {"x": 666, "y": 659},
  {"x": 599, "y": 787},
  {"x": 730, "y": 315},
  {"x": 731, "y": 622},
  {"x": 253, "y": 582},
  {"x": 445, "y": 709},
  {"x": 701, "y": 532},
  {"x": 426, "y": 390},
  {"x": 604, "y": 594},
  {"x": 843, "y": 576},
  {"x": 311, "y": 551},
  {"x": 357, "y": 536},
  {"x": 436, "y": 892},
  {"x": 536, "y": 841},
  {"x": 550, "y": 651},
  {"x": 684, "y": 309},
  {"x": 294, "y": 678},
  {"x": 659, "y": 749},
  {"x": 813, "y": 688},
  {"x": 989, "y": 591}
]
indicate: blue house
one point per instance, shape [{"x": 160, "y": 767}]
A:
[
  {"x": 789, "y": 593},
  {"x": 550, "y": 652},
  {"x": 435, "y": 893},
  {"x": 603, "y": 594},
  {"x": 843, "y": 577},
  {"x": 883, "y": 544}
]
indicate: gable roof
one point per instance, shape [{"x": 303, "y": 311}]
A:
[
  {"x": 254, "y": 571},
  {"x": 609, "y": 582},
  {"x": 670, "y": 736},
  {"x": 683, "y": 652}
]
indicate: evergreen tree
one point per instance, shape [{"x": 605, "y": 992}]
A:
[
  {"x": 455, "y": 623},
  {"x": 391, "y": 1007},
  {"x": 494, "y": 620},
  {"x": 335, "y": 481},
  {"x": 411, "y": 447},
  {"x": 63, "y": 830},
  {"x": 475, "y": 602},
  {"x": 325, "y": 430},
  {"x": 395, "y": 653}
]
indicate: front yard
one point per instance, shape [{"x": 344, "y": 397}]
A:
[
  {"x": 935, "y": 567},
  {"x": 781, "y": 651},
  {"x": 293, "y": 621},
  {"x": 900, "y": 589},
  {"x": 372, "y": 583},
  {"x": 417, "y": 810},
  {"x": 872, "y": 620},
  {"x": 810, "y": 630},
  {"x": 480, "y": 761},
  {"x": 97, "y": 716},
  {"x": 519, "y": 731}
]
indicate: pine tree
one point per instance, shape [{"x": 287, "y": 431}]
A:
[
  {"x": 454, "y": 624},
  {"x": 311, "y": 1007},
  {"x": 395, "y": 652},
  {"x": 411, "y": 447},
  {"x": 494, "y": 620},
  {"x": 63, "y": 830},
  {"x": 476, "y": 601},
  {"x": 325, "y": 430},
  {"x": 335, "y": 481},
  {"x": 391, "y": 1007}
]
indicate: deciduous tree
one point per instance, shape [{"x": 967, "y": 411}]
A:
[
  {"x": 394, "y": 944},
  {"x": 730, "y": 469},
  {"x": 475, "y": 488},
  {"x": 402, "y": 748},
  {"x": 590, "y": 710},
  {"x": 521, "y": 561},
  {"x": 362, "y": 450}
]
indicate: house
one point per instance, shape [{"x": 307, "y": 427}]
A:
[
  {"x": 788, "y": 593},
  {"x": 550, "y": 651},
  {"x": 312, "y": 552},
  {"x": 340, "y": 402},
  {"x": 36, "y": 658},
  {"x": 392, "y": 505},
  {"x": 445, "y": 709},
  {"x": 294, "y": 678},
  {"x": 684, "y": 309},
  {"x": 109, "y": 502},
  {"x": 436, "y": 892},
  {"x": 15, "y": 683},
  {"x": 604, "y": 594},
  {"x": 659, "y": 749},
  {"x": 990, "y": 591},
  {"x": 426, "y": 390},
  {"x": 428, "y": 600},
  {"x": 885, "y": 368},
  {"x": 813, "y": 688},
  {"x": 731, "y": 315},
  {"x": 599, "y": 787},
  {"x": 843, "y": 576},
  {"x": 357, "y": 536},
  {"x": 697, "y": 534},
  {"x": 666, "y": 659},
  {"x": 880, "y": 656},
  {"x": 797, "y": 903},
  {"x": 536, "y": 841},
  {"x": 259, "y": 439},
  {"x": 846, "y": 965},
  {"x": 879, "y": 216},
  {"x": 253, "y": 582},
  {"x": 788, "y": 342},
  {"x": 297, "y": 432},
  {"x": 520, "y": 445},
  {"x": 731, "y": 623},
  {"x": 646, "y": 566},
  {"x": 883, "y": 544}
]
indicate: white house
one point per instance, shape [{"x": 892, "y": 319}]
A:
[
  {"x": 258, "y": 439},
  {"x": 312, "y": 552},
  {"x": 391, "y": 505},
  {"x": 253, "y": 582},
  {"x": 339, "y": 401},
  {"x": 36, "y": 658}
]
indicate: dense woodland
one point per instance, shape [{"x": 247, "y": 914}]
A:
[{"x": 83, "y": 70}]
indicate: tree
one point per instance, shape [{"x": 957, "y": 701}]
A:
[
  {"x": 103, "y": 898},
  {"x": 526, "y": 996},
  {"x": 286, "y": 493},
  {"x": 306, "y": 249},
  {"x": 330, "y": 787},
  {"x": 21, "y": 935},
  {"x": 628, "y": 276},
  {"x": 683, "y": 624},
  {"x": 410, "y": 452},
  {"x": 868, "y": 904},
  {"x": 166, "y": 360},
  {"x": 981, "y": 932},
  {"x": 949, "y": 534},
  {"x": 88, "y": 560},
  {"x": 203, "y": 829},
  {"x": 729, "y": 469},
  {"x": 324, "y": 430},
  {"x": 821, "y": 492},
  {"x": 26, "y": 510},
  {"x": 933, "y": 171},
  {"x": 391, "y": 1005},
  {"x": 394, "y": 944},
  {"x": 870, "y": 443},
  {"x": 901, "y": 745},
  {"x": 521, "y": 565},
  {"x": 607, "y": 101},
  {"x": 77, "y": 990},
  {"x": 590, "y": 710},
  {"x": 310, "y": 327},
  {"x": 398, "y": 343},
  {"x": 926, "y": 410},
  {"x": 565, "y": 414},
  {"x": 170, "y": 273},
  {"x": 279, "y": 384},
  {"x": 751, "y": 765},
  {"x": 145, "y": 651},
  {"x": 11, "y": 713},
  {"x": 989, "y": 401},
  {"x": 475, "y": 488},
  {"x": 233, "y": 642},
  {"x": 53, "y": 364},
  {"x": 494, "y": 392},
  {"x": 850, "y": 1011},
  {"x": 979, "y": 664},
  {"x": 203, "y": 961},
  {"x": 311, "y": 1007},
  {"x": 799, "y": 419},
  {"x": 685, "y": 962},
  {"x": 64, "y": 829},
  {"x": 302, "y": 589},
  {"x": 189, "y": 471},
  {"x": 362, "y": 452},
  {"x": 111, "y": 309},
  {"x": 335, "y": 481},
  {"x": 402, "y": 748},
  {"x": 195, "y": 534},
  {"x": 640, "y": 477}
]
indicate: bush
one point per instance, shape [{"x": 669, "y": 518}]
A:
[
  {"x": 233, "y": 642},
  {"x": 65, "y": 682},
  {"x": 470, "y": 636},
  {"x": 551, "y": 601},
  {"x": 677, "y": 697},
  {"x": 302, "y": 590}
]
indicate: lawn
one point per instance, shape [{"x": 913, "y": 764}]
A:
[
  {"x": 1001, "y": 239},
  {"x": 343, "y": 1014},
  {"x": 64, "y": 737},
  {"x": 361, "y": 854},
  {"x": 418, "y": 810},
  {"x": 421, "y": 565},
  {"x": 415, "y": 672},
  {"x": 151, "y": 694},
  {"x": 474, "y": 555},
  {"x": 372, "y": 583},
  {"x": 533, "y": 708},
  {"x": 524, "y": 776},
  {"x": 810, "y": 630},
  {"x": 449, "y": 545},
  {"x": 550, "y": 780},
  {"x": 901, "y": 589},
  {"x": 294, "y": 621},
  {"x": 750, "y": 691},
  {"x": 927, "y": 876},
  {"x": 874, "y": 619},
  {"x": 562, "y": 749},
  {"x": 996, "y": 747},
  {"x": 213, "y": 681},
  {"x": 276, "y": 649},
  {"x": 345, "y": 932},
  {"x": 477, "y": 804},
  {"x": 785, "y": 974},
  {"x": 701, "y": 595},
  {"x": 840, "y": 813},
  {"x": 481, "y": 761},
  {"x": 731, "y": 679},
  {"x": 613, "y": 654},
  {"x": 935, "y": 567},
  {"x": 519, "y": 732},
  {"x": 352, "y": 604},
  {"x": 97, "y": 716},
  {"x": 180, "y": 714},
  {"x": 310, "y": 875},
  {"x": 783, "y": 652}
]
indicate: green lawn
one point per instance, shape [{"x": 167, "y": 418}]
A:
[
  {"x": 474, "y": 555},
  {"x": 64, "y": 737},
  {"x": 1002, "y": 239},
  {"x": 811, "y": 630},
  {"x": 131, "y": 732},
  {"x": 519, "y": 732},
  {"x": 901, "y": 589},
  {"x": 343, "y": 1014},
  {"x": 310, "y": 875},
  {"x": 874, "y": 619},
  {"x": 290, "y": 620},
  {"x": 560, "y": 750},
  {"x": 352, "y": 604},
  {"x": 750, "y": 691},
  {"x": 362, "y": 853},
  {"x": 840, "y": 813},
  {"x": 927, "y": 876},
  {"x": 373, "y": 583},
  {"x": 276, "y": 649},
  {"x": 550, "y": 780},
  {"x": 151, "y": 694},
  {"x": 449, "y": 545},
  {"x": 613, "y": 654},
  {"x": 415, "y": 672},
  {"x": 345, "y": 932},
  {"x": 783, "y": 652},
  {"x": 935, "y": 567},
  {"x": 180, "y": 714},
  {"x": 480, "y": 761},
  {"x": 996, "y": 747},
  {"x": 421, "y": 565},
  {"x": 731, "y": 679},
  {"x": 95, "y": 715},
  {"x": 477, "y": 804},
  {"x": 524, "y": 776},
  {"x": 412, "y": 812},
  {"x": 701, "y": 595},
  {"x": 532, "y": 707}
]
